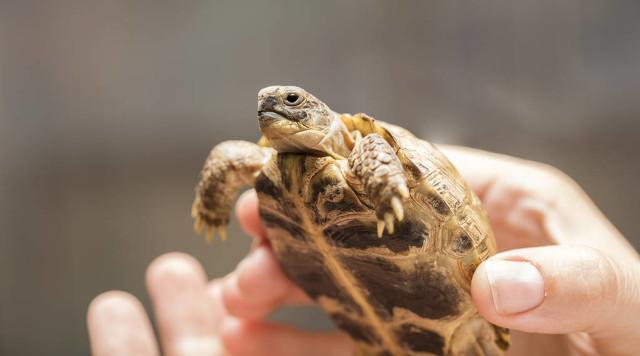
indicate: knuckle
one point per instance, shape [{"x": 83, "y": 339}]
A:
[
  {"x": 554, "y": 178},
  {"x": 536, "y": 178},
  {"x": 231, "y": 298},
  {"x": 600, "y": 272},
  {"x": 543, "y": 180},
  {"x": 612, "y": 287},
  {"x": 531, "y": 192},
  {"x": 241, "y": 304}
]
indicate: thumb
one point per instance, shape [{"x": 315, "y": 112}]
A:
[{"x": 560, "y": 289}]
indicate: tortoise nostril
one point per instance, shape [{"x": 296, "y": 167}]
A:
[{"x": 269, "y": 103}]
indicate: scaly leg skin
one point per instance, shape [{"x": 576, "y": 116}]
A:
[
  {"x": 375, "y": 170},
  {"x": 230, "y": 165}
]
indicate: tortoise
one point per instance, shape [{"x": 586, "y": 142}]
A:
[{"x": 373, "y": 223}]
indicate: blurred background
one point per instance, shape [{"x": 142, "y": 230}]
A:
[{"x": 108, "y": 109}]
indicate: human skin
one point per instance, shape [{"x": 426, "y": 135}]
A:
[{"x": 566, "y": 282}]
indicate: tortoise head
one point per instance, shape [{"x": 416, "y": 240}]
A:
[{"x": 294, "y": 120}]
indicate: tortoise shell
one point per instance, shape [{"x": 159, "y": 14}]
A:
[{"x": 401, "y": 293}]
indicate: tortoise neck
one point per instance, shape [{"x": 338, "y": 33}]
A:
[{"x": 338, "y": 140}]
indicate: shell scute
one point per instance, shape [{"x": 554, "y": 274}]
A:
[{"x": 420, "y": 288}]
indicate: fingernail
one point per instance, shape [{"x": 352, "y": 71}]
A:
[
  {"x": 246, "y": 194},
  {"x": 516, "y": 286}
]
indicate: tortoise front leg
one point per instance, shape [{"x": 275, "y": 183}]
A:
[
  {"x": 376, "y": 172},
  {"x": 229, "y": 166}
]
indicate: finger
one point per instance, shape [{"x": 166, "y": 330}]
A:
[
  {"x": 258, "y": 286},
  {"x": 254, "y": 339},
  {"x": 118, "y": 325},
  {"x": 248, "y": 216},
  {"x": 476, "y": 166},
  {"x": 186, "y": 315},
  {"x": 560, "y": 289},
  {"x": 518, "y": 195},
  {"x": 482, "y": 168},
  {"x": 532, "y": 204},
  {"x": 214, "y": 293}
]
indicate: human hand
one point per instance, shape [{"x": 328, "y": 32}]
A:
[
  {"x": 566, "y": 283},
  {"x": 188, "y": 312}
]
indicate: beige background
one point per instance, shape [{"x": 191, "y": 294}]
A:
[{"x": 108, "y": 109}]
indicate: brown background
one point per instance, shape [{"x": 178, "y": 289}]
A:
[{"x": 108, "y": 109}]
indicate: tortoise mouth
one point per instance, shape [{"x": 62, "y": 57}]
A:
[
  {"x": 270, "y": 115},
  {"x": 276, "y": 126},
  {"x": 269, "y": 119},
  {"x": 277, "y": 122}
]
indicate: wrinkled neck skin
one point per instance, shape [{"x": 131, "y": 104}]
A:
[
  {"x": 337, "y": 141},
  {"x": 332, "y": 140}
]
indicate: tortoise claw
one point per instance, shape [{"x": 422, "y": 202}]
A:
[
  {"x": 203, "y": 219},
  {"x": 392, "y": 210},
  {"x": 388, "y": 221},
  {"x": 403, "y": 191},
  {"x": 197, "y": 225},
  {"x": 209, "y": 234},
  {"x": 380, "y": 228},
  {"x": 213, "y": 230},
  {"x": 396, "y": 205},
  {"x": 222, "y": 230}
]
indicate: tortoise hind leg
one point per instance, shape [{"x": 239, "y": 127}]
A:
[
  {"x": 478, "y": 337},
  {"x": 229, "y": 166}
]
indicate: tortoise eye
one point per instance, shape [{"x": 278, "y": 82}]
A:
[{"x": 293, "y": 99}]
